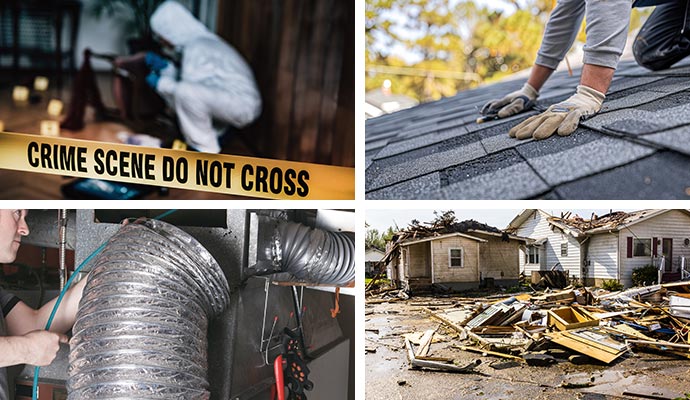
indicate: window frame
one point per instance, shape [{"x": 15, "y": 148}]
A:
[
  {"x": 564, "y": 249},
  {"x": 451, "y": 258},
  {"x": 534, "y": 256},
  {"x": 647, "y": 246}
]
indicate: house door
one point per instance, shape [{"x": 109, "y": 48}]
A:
[{"x": 667, "y": 252}]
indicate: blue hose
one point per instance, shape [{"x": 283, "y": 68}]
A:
[{"x": 34, "y": 391}]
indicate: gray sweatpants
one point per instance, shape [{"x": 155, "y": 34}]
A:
[{"x": 607, "y": 30}]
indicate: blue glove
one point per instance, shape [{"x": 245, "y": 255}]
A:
[
  {"x": 155, "y": 62},
  {"x": 152, "y": 79}
]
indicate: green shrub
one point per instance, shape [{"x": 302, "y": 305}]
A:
[
  {"x": 612, "y": 285},
  {"x": 646, "y": 275}
]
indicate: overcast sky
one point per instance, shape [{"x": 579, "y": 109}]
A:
[{"x": 382, "y": 219}]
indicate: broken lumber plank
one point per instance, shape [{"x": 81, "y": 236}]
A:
[
  {"x": 585, "y": 347},
  {"x": 449, "y": 323},
  {"x": 425, "y": 343},
  {"x": 660, "y": 343},
  {"x": 379, "y": 301},
  {"x": 415, "y": 363},
  {"x": 596, "y": 338},
  {"x": 488, "y": 352},
  {"x": 477, "y": 338},
  {"x": 440, "y": 359},
  {"x": 646, "y": 396},
  {"x": 627, "y": 331}
]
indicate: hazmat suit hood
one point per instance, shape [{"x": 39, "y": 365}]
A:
[{"x": 174, "y": 23}]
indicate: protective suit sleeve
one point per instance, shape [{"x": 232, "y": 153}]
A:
[{"x": 166, "y": 86}]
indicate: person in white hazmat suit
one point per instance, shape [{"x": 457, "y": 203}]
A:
[{"x": 214, "y": 87}]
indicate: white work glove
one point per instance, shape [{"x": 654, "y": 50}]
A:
[
  {"x": 515, "y": 102},
  {"x": 561, "y": 117}
]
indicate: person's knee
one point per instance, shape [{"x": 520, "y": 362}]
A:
[{"x": 647, "y": 57}]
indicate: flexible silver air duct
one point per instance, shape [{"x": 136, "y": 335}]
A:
[
  {"x": 314, "y": 255},
  {"x": 141, "y": 326}
]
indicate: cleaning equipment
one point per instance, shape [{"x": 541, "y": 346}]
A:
[
  {"x": 295, "y": 371},
  {"x": 68, "y": 284},
  {"x": 142, "y": 323},
  {"x": 279, "y": 377}
]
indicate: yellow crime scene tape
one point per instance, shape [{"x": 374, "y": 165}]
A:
[{"x": 219, "y": 173}]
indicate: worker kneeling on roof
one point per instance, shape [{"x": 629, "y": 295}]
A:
[
  {"x": 663, "y": 40},
  {"x": 214, "y": 87}
]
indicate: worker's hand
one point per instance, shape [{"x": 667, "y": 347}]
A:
[
  {"x": 152, "y": 79},
  {"x": 155, "y": 62},
  {"x": 42, "y": 346},
  {"x": 515, "y": 102},
  {"x": 561, "y": 117}
]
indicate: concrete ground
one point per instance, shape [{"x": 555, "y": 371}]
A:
[{"x": 388, "y": 376}]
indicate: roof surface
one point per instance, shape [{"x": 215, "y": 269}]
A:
[
  {"x": 614, "y": 221},
  {"x": 637, "y": 147},
  {"x": 410, "y": 241},
  {"x": 604, "y": 223}
]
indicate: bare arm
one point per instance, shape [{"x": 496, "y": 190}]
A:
[
  {"x": 35, "y": 348},
  {"x": 538, "y": 76},
  {"x": 24, "y": 319},
  {"x": 597, "y": 77}
]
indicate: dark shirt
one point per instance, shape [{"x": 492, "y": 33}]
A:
[
  {"x": 647, "y": 3},
  {"x": 7, "y": 302}
]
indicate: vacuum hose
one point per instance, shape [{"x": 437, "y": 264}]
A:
[
  {"x": 314, "y": 255},
  {"x": 141, "y": 328}
]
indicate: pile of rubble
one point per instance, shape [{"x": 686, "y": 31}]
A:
[{"x": 584, "y": 326}]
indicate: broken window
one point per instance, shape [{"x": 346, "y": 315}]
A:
[
  {"x": 532, "y": 255},
  {"x": 642, "y": 247},
  {"x": 455, "y": 258},
  {"x": 564, "y": 249}
]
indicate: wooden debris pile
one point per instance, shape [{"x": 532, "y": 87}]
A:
[
  {"x": 577, "y": 324},
  {"x": 611, "y": 220}
]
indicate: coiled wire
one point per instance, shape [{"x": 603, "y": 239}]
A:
[
  {"x": 142, "y": 322},
  {"x": 314, "y": 255}
]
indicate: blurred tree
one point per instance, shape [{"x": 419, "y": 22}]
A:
[
  {"x": 429, "y": 49},
  {"x": 376, "y": 239}
]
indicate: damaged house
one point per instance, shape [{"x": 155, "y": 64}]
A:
[
  {"x": 372, "y": 258},
  {"x": 465, "y": 255},
  {"x": 606, "y": 247}
]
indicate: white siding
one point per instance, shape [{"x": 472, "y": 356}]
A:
[
  {"x": 603, "y": 257},
  {"x": 672, "y": 224},
  {"x": 537, "y": 227},
  {"x": 373, "y": 255}
]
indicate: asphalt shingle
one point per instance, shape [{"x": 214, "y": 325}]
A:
[
  {"x": 513, "y": 181},
  {"x": 639, "y": 122},
  {"x": 662, "y": 176},
  {"x": 484, "y": 165},
  {"x": 587, "y": 159},
  {"x": 379, "y": 177},
  {"x": 415, "y": 188},
  {"x": 676, "y": 139},
  {"x": 437, "y": 151}
]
